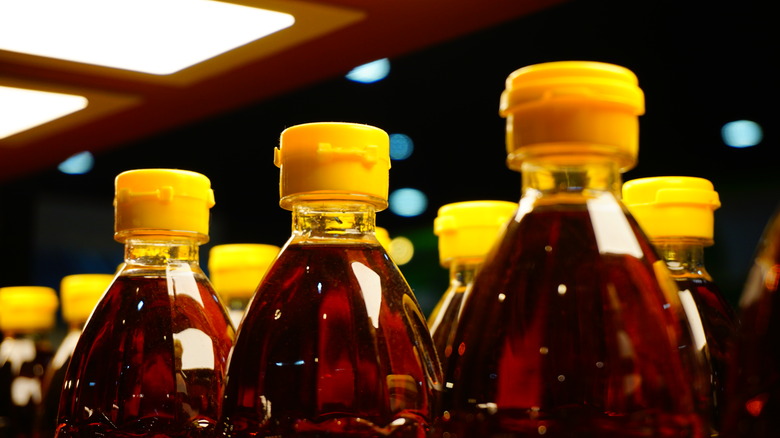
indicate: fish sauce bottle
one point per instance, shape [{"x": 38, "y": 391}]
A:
[
  {"x": 27, "y": 317},
  {"x": 466, "y": 231},
  {"x": 753, "y": 378},
  {"x": 334, "y": 342},
  {"x": 79, "y": 294},
  {"x": 152, "y": 357},
  {"x": 236, "y": 269},
  {"x": 573, "y": 325},
  {"x": 676, "y": 213}
]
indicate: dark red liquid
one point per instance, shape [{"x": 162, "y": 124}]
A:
[
  {"x": 444, "y": 332},
  {"x": 720, "y": 329},
  {"x": 753, "y": 380},
  {"x": 150, "y": 362},
  {"x": 53, "y": 381},
  {"x": 333, "y": 344},
  {"x": 567, "y": 333},
  {"x": 22, "y": 365}
]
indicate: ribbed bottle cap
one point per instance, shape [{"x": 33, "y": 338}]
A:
[
  {"x": 80, "y": 294},
  {"x": 333, "y": 161},
  {"x": 572, "y": 108},
  {"x": 27, "y": 308},
  {"x": 673, "y": 206},
  {"x": 469, "y": 229},
  {"x": 236, "y": 269},
  {"x": 162, "y": 199}
]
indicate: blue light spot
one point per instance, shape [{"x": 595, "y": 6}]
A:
[
  {"x": 408, "y": 202},
  {"x": 140, "y": 305},
  {"x": 299, "y": 362},
  {"x": 77, "y": 164},
  {"x": 401, "y": 146},
  {"x": 91, "y": 384},
  {"x": 371, "y": 72},
  {"x": 742, "y": 133}
]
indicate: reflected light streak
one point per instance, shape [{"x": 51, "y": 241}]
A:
[{"x": 371, "y": 289}]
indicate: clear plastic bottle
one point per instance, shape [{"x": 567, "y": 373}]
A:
[
  {"x": 466, "y": 232},
  {"x": 27, "y": 317},
  {"x": 151, "y": 360},
  {"x": 753, "y": 378},
  {"x": 236, "y": 269},
  {"x": 334, "y": 342},
  {"x": 79, "y": 294},
  {"x": 573, "y": 325},
  {"x": 676, "y": 213}
]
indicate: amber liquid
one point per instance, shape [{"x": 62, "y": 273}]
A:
[
  {"x": 150, "y": 362},
  {"x": 567, "y": 333},
  {"x": 53, "y": 381},
  {"x": 719, "y": 322},
  {"x": 23, "y": 362},
  {"x": 753, "y": 380},
  {"x": 333, "y": 344},
  {"x": 444, "y": 332}
]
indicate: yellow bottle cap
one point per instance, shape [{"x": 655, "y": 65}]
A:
[
  {"x": 27, "y": 308},
  {"x": 383, "y": 237},
  {"x": 162, "y": 199},
  {"x": 572, "y": 108},
  {"x": 674, "y": 206},
  {"x": 469, "y": 229},
  {"x": 80, "y": 294},
  {"x": 236, "y": 269},
  {"x": 333, "y": 161}
]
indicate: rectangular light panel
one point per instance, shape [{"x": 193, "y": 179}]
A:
[
  {"x": 22, "y": 109},
  {"x": 150, "y": 36}
]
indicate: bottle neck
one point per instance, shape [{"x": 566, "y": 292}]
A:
[
  {"x": 463, "y": 272},
  {"x": 573, "y": 175},
  {"x": 161, "y": 250},
  {"x": 683, "y": 256},
  {"x": 334, "y": 220}
]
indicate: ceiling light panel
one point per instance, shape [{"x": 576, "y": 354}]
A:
[
  {"x": 150, "y": 36},
  {"x": 22, "y": 109}
]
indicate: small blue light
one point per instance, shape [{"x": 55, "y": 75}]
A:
[
  {"x": 408, "y": 202},
  {"x": 78, "y": 164},
  {"x": 371, "y": 72},
  {"x": 742, "y": 133},
  {"x": 401, "y": 146},
  {"x": 140, "y": 305}
]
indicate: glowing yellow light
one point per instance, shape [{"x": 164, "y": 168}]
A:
[
  {"x": 149, "y": 36},
  {"x": 22, "y": 109},
  {"x": 401, "y": 250}
]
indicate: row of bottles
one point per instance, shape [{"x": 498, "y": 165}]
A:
[{"x": 583, "y": 310}]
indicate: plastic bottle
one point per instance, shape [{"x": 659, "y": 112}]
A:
[
  {"x": 334, "y": 342},
  {"x": 235, "y": 271},
  {"x": 79, "y": 294},
  {"x": 466, "y": 232},
  {"x": 27, "y": 316},
  {"x": 573, "y": 325},
  {"x": 753, "y": 377},
  {"x": 676, "y": 213},
  {"x": 151, "y": 359}
]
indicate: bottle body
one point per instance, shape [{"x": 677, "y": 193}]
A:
[
  {"x": 23, "y": 357},
  {"x": 703, "y": 302},
  {"x": 334, "y": 342},
  {"x": 53, "y": 380},
  {"x": 752, "y": 391},
  {"x": 443, "y": 320},
  {"x": 152, "y": 358},
  {"x": 573, "y": 325}
]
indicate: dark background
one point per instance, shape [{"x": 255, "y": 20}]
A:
[{"x": 700, "y": 64}]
